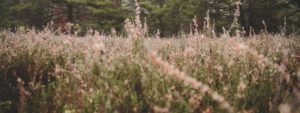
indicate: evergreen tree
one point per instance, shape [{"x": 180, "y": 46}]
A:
[
  {"x": 96, "y": 14},
  {"x": 169, "y": 16}
]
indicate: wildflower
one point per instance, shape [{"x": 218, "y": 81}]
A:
[
  {"x": 285, "y": 108},
  {"x": 189, "y": 52},
  {"x": 157, "y": 109},
  {"x": 169, "y": 97},
  {"x": 194, "y": 102},
  {"x": 241, "y": 89},
  {"x": 208, "y": 110},
  {"x": 181, "y": 76},
  {"x": 99, "y": 48}
]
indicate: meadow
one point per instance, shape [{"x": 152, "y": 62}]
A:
[{"x": 201, "y": 72}]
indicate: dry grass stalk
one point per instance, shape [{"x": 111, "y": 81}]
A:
[
  {"x": 181, "y": 76},
  {"x": 261, "y": 59}
]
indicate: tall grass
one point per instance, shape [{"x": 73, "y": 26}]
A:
[{"x": 45, "y": 71}]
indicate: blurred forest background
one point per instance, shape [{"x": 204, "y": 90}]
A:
[{"x": 169, "y": 16}]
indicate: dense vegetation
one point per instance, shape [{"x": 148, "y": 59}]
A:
[
  {"x": 50, "y": 68},
  {"x": 47, "y": 71},
  {"x": 169, "y": 16}
]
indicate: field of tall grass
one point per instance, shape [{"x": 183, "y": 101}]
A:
[{"x": 49, "y": 72}]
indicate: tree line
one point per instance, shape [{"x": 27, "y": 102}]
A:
[{"x": 169, "y": 16}]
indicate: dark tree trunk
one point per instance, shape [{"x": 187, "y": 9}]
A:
[
  {"x": 242, "y": 16},
  {"x": 70, "y": 17},
  {"x": 251, "y": 20},
  {"x": 161, "y": 5},
  {"x": 70, "y": 13}
]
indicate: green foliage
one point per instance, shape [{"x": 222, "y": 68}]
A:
[
  {"x": 34, "y": 68},
  {"x": 170, "y": 16}
]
